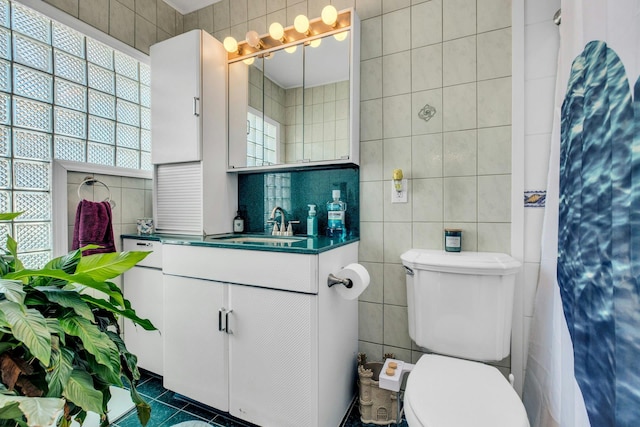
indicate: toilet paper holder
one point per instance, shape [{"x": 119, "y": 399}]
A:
[{"x": 334, "y": 280}]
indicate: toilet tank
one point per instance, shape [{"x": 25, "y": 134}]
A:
[{"x": 460, "y": 303}]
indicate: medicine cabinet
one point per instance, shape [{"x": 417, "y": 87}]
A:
[{"x": 296, "y": 104}]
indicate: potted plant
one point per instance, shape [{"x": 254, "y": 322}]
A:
[{"x": 60, "y": 348}]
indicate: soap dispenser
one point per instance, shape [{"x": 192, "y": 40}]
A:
[
  {"x": 312, "y": 222},
  {"x": 238, "y": 223}
]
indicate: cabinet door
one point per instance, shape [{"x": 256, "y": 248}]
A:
[
  {"x": 273, "y": 357},
  {"x": 176, "y": 99},
  {"x": 143, "y": 288},
  {"x": 195, "y": 351}
]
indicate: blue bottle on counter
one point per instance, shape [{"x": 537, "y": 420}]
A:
[{"x": 336, "y": 213}]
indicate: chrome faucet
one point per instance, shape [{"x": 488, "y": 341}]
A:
[
  {"x": 272, "y": 219},
  {"x": 282, "y": 230}
]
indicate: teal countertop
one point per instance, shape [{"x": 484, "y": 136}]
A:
[{"x": 295, "y": 244}]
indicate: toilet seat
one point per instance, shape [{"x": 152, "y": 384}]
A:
[{"x": 447, "y": 392}]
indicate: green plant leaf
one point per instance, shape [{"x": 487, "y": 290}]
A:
[
  {"x": 95, "y": 341},
  {"x": 107, "y": 266},
  {"x": 130, "y": 366},
  {"x": 29, "y": 327},
  {"x": 10, "y": 411},
  {"x": 79, "y": 390},
  {"x": 39, "y": 411},
  {"x": 12, "y": 247},
  {"x": 80, "y": 417},
  {"x": 129, "y": 313},
  {"x": 108, "y": 375},
  {"x": 80, "y": 278},
  {"x": 142, "y": 408},
  {"x": 8, "y": 216},
  {"x": 66, "y": 263},
  {"x": 60, "y": 371},
  {"x": 69, "y": 299},
  {"x": 4, "y": 346},
  {"x": 12, "y": 290},
  {"x": 54, "y": 327}
]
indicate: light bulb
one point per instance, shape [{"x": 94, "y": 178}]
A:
[
  {"x": 301, "y": 24},
  {"x": 291, "y": 49},
  {"x": 253, "y": 39},
  {"x": 315, "y": 43},
  {"x": 329, "y": 15},
  {"x": 230, "y": 44},
  {"x": 341, "y": 36},
  {"x": 276, "y": 31},
  {"x": 250, "y": 60}
]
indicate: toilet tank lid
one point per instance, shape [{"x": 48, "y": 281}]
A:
[{"x": 466, "y": 262}]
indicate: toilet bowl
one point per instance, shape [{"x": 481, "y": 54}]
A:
[{"x": 444, "y": 391}]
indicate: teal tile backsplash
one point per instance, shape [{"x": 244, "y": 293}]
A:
[{"x": 258, "y": 193}]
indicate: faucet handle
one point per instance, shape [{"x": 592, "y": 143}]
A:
[
  {"x": 275, "y": 231},
  {"x": 289, "y": 231}
]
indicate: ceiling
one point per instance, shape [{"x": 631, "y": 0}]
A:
[{"x": 188, "y": 6}]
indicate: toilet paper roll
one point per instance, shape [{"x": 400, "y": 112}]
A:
[{"x": 358, "y": 275}]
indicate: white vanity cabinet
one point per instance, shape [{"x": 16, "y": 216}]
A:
[
  {"x": 143, "y": 287},
  {"x": 238, "y": 338}
]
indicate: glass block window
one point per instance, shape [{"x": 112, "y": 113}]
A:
[
  {"x": 66, "y": 96},
  {"x": 262, "y": 139},
  {"x": 277, "y": 192}
]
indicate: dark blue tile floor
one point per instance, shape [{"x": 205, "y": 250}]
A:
[{"x": 168, "y": 409}]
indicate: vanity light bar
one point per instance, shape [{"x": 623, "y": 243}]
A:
[{"x": 317, "y": 29}]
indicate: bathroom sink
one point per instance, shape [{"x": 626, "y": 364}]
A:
[{"x": 281, "y": 240}]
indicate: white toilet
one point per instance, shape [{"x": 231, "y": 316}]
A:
[{"x": 460, "y": 307}]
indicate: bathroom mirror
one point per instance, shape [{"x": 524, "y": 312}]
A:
[
  {"x": 296, "y": 104},
  {"x": 326, "y": 99}
]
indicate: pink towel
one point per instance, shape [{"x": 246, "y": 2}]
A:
[{"x": 93, "y": 226}]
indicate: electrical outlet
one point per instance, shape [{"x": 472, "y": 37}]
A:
[{"x": 399, "y": 196}]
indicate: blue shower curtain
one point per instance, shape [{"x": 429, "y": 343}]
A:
[{"x": 598, "y": 262}]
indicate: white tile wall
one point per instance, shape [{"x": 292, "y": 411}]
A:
[
  {"x": 460, "y": 153},
  {"x": 426, "y": 66},
  {"x": 396, "y": 116},
  {"x": 426, "y": 155},
  {"x": 426, "y": 23},
  {"x": 459, "y": 107},
  {"x": 459, "y": 61},
  {"x": 458, "y": 18}
]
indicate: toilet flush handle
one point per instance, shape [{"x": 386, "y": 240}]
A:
[{"x": 408, "y": 271}]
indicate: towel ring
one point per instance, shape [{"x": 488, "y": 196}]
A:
[{"x": 90, "y": 181}]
